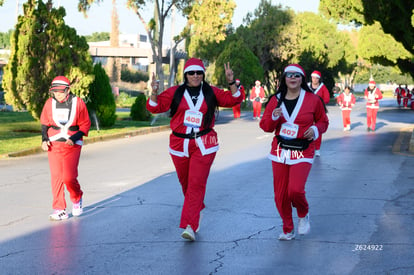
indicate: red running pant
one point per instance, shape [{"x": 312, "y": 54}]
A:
[
  {"x": 63, "y": 162},
  {"x": 318, "y": 142},
  {"x": 192, "y": 173},
  {"x": 289, "y": 187},
  {"x": 236, "y": 111},
  {"x": 257, "y": 108},
  {"x": 371, "y": 118},
  {"x": 346, "y": 117}
]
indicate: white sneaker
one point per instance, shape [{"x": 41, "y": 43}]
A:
[
  {"x": 58, "y": 215},
  {"x": 188, "y": 233},
  {"x": 317, "y": 153},
  {"x": 77, "y": 209},
  {"x": 348, "y": 127},
  {"x": 287, "y": 236},
  {"x": 304, "y": 225}
]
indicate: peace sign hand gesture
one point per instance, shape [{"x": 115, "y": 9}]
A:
[{"x": 229, "y": 72}]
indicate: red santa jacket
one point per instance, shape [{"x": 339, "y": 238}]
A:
[
  {"x": 346, "y": 102},
  {"x": 372, "y": 98},
  {"x": 398, "y": 92},
  {"x": 322, "y": 92},
  {"x": 207, "y": 143},
  {"x": 309, "y": 112},
  {"x": 254, "y": 96},
  {"x": 78, "y": 120}
]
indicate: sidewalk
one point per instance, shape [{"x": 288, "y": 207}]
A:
[{"x": 89, "y": 140}]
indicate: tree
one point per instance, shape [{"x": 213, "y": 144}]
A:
[
  {"x": 97, "y": 36},
  {"x": 396, "y": 18},
  {"x": 263, "y": 37},
  {"x": 5, "y": 39},
  {"x": 42, "y": 47},
  {"x": 208, "y": 20},
  {"x": 321, "y": 45},
  {"x": 245, "y": 64},
  {"x": 114, "y": 65},
  {"x": 100, "y": 100},
  {"x": 154, "y": 27}
]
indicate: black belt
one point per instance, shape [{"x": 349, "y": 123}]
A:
[
  {"x": 71, "y": 128},
  {"x": 193, "y": 135}
]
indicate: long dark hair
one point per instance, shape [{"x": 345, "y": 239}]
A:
[
  {"x": 282, "y": 90},
  {"x": 209, "y": 97}
]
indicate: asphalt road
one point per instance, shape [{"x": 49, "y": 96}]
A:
[{"x": 361, "y": 197}]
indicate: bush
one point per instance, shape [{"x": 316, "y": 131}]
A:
[
  {"x": 101, "y": 101},
  {"x": 134, "y": 77},
  {"x": 139, "y": 111},
  {"x": 124, "y": 100}
]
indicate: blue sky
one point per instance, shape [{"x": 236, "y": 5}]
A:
[{"x": 129, "y": 23}]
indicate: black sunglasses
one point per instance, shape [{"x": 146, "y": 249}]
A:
[
  {"x": 293, "y": 75},
  {"x": 195, "y": 72}
]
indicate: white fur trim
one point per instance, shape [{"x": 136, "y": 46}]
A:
[
  {"x": 193, "y": 68},
  {"x": 294, "y": 69},
  {"x": 315, "y": 75}
]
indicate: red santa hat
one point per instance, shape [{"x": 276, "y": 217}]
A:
[
  {"x": 295, "y": 68},
  {"x": 237, "y": 80},
  {"x": 194, "y": 64},
  {"x": 59, "y": 83},
  {"x": 316, "y": 74},
  {"x": 372, "y": 83}
]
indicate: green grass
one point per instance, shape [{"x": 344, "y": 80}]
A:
[{"x": 19, "y": 131}]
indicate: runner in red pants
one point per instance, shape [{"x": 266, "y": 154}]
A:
[
  {"x": 372, "y": 95},
  {"x": 257, "y": 96},
  {"x": 297, "y": 117},
  {"x": 346, "y": 101},
  {"x": 193, "y": 142},
  {"x": 65, "y": 120}
]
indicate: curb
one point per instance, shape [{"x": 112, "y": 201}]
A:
[{"x": 90, "y": 140}]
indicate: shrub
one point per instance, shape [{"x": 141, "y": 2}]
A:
[
  {"x": 124, "y": 100},
  {"x": 100, "y": 99},
  {"x": 139, "y": 111},
  {"x": 134, "y": 76}
]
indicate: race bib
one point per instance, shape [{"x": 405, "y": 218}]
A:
[
  {"x": 289, "y": 130},
  {"x": 193, "y": 119},
  {"x": 62, "y": 115}
]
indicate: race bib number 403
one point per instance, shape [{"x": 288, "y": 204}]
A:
[
  {"x": 193, "y": 119},
  {"x": 289, "y": 130}
]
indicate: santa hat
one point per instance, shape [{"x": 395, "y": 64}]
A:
[
  {"x": 59, "y": 83},
  {"x": 316, "y": 74},
  {"x": 194, "y": 64},
  {"x": 372, "y": 83},
  {"x": 238, "y": 80},
  {"x": 295, "y": 68}
]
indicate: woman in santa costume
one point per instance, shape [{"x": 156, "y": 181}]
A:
[
  {"x": 297, "y": 117},
  {"x": 397, "y": 93},
  {"x": 318, "y": 88},
  {"x": 65, "y": 120},
  {"x": 193, "y": 141},
  {"x": 257, "y": 96},
  {"x": 237, "y": 108},
  {"x": 346, "y": 101},
  {"x": 372, "y": 94}
]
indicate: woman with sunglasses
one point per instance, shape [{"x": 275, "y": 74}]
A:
[
  {"x": 193, "y": 141},
  {"x": 297, "y": 117},
  {"x": 65, "y": 120}
]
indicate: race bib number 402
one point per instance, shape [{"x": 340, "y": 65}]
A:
[
  {"x": 289, "y": 130},
  {"x": 193, "y": 119}
]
